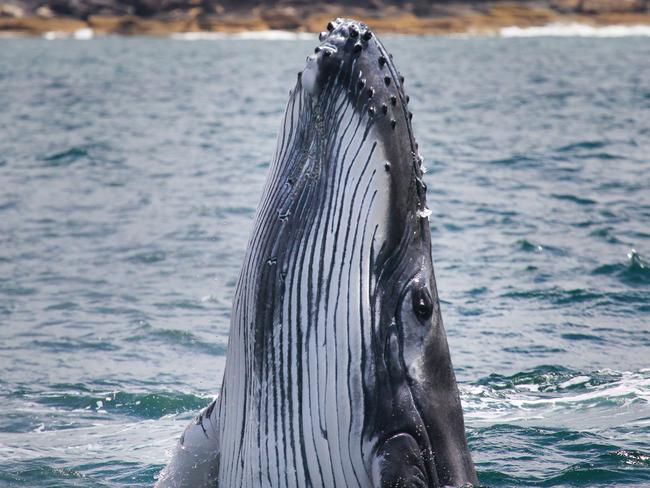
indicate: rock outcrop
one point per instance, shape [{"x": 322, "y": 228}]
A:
[{"x": 161, "y": 17}]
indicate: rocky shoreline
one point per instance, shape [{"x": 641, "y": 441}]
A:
[{"x": 166, "y": 17}]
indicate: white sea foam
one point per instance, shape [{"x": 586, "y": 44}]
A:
[
  {"x": 53, "y": 35},
  {"x": 523, "y": 403},
  {"x": 80, "y": 34},
  {"x": 269, "y": 35},
  {"x": 576, "y": 30},
  {"x": 578, "y": 380},
  {"x": 83, "y": 34}
]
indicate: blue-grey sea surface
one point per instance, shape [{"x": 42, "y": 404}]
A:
[{"x": 130, "y": 170}]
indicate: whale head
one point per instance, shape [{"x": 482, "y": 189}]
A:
[{"x": 338, "y": 369}]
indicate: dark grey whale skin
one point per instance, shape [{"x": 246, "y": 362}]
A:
[
  {"x": 338, "y": 371},
  {"x": 416, "y": 411}
]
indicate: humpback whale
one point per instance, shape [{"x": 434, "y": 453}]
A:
[{"x": 338, "y": 372}]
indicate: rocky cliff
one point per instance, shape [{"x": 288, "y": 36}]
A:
[{"x": 161, "y": 17}]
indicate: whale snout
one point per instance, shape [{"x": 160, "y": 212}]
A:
[
  {"x": 351, "y": 61},
  {"x": 341, "y": 44}
]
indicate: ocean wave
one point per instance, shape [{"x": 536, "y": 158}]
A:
[
  {"x": 268, "y": 35},
  {"x": 37, "y": 472},
  {"x": 593, "y": 298},
  {"x": 574, "y": 199},
  {"x": 95, "y": 153},
  {"x": 582, "y": 145},
  {"x": 176, "y": 337},
  {"x": 150, "y": 256},
  {"x": 548, "y": 394},
  {"x": 80, "y": 457},
  {"x": 66, "y": 157},
  {"x": 577, "y": 30},
  {"x": 598, "y": 462},
  {"x": 636, "y": 271},
  {"x": 527, "y": 246},
  {"x": 140, "y": 405}
]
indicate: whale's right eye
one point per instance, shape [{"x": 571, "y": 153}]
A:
[{"x": 422, "y": 303}]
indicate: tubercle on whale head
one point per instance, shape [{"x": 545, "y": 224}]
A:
[
  {"x": 351, "y": 59},
  {"x": 350, "y": 56}
]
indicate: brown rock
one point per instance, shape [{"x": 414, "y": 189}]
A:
[
  {"x": 33, "y": 25},
  {"x": 44, "y": 12},
  {"x": 11, "y": 11},
  {"x": 282, "y": 18},
  {"x": 605, "y": 6},
  {"x": 599, "y": 6},
  {"x": 565, "y": 6},
  {"x": 146, "y": 8},
  {"x": 213, "y": 8}
]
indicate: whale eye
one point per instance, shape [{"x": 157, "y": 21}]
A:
[{"x": 422, "y": 303}]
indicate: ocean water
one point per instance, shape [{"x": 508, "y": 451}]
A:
[{"x": 130, "y": 170}]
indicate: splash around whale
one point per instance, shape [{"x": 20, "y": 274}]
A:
[{"x": 338, "y": 371}]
